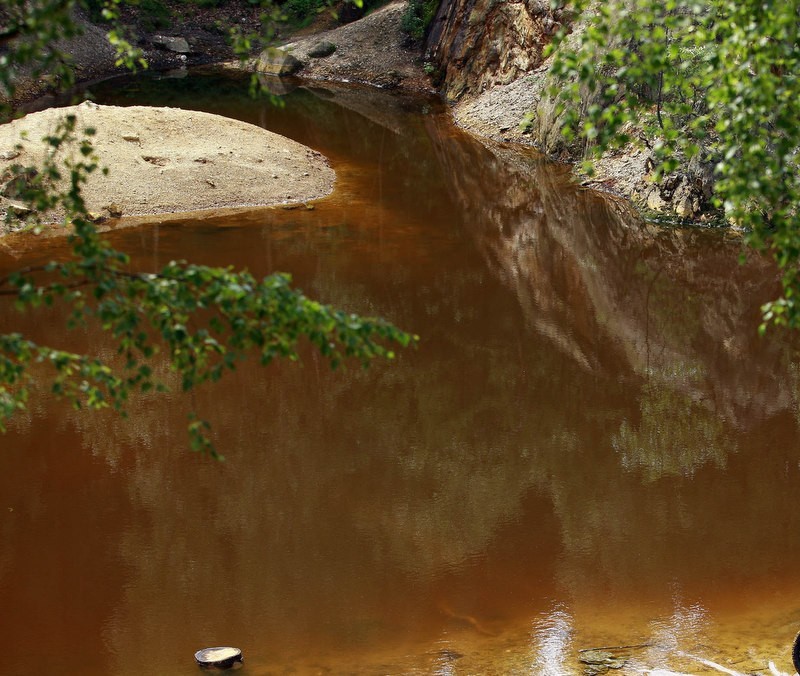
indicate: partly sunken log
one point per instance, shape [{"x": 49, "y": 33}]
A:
[{"x": 221, "y": 657}]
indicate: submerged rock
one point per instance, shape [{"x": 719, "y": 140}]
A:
[
  {"x": 276, "y": 85},
  {"x": 601, "y": 661}
]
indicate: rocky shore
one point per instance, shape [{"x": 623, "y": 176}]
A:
[
  {"x": 488, "y": 62},
  {"x": 491, "y": 60}
]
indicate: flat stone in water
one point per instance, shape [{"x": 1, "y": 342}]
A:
[{"x": 222, "y": 656}]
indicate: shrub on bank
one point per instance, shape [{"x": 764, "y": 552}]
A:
[{"x": 418, "y": 17}]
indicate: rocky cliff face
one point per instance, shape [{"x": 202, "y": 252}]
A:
[
  {"x": 478, "y": 44},
  {"x": 489, "y": 54}
]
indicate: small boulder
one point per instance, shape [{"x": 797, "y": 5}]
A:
[
  {"x": 322, "y": 49},
  {"x": 113, "y": 210},
  {"x": 601, "y": 661},
  {"x": 172, "y": 44},
  {"x": 16, "y": 180},
  {"x": 18, "y": 209},
  {"x": 655, "y": 202},
  {"x": 278, "y": 62},
  {"x": 389, "y": 80}
]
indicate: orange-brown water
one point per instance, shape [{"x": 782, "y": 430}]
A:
[{"x": 591, "y": 446}]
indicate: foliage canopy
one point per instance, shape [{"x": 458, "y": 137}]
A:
[
  {"x": 204, "y": 320},
  {"x": 715, "y": 80}
]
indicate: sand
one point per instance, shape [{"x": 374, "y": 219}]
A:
[{"x": 168, "y": 160}]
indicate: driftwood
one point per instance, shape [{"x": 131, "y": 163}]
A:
[
  {"x": 618, "y": 647},
  {"x": 713, "y": 665}
]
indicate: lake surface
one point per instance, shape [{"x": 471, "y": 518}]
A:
[{"x": 590, "y": 447}]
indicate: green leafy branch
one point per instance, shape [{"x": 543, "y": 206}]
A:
[
  {"x": 711, "y": 78},
  {"x": 203, "y": 320},
  {"x": 206, "y": 320}
]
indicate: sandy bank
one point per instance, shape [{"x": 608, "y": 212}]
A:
[{"x": 166, "y": 160}]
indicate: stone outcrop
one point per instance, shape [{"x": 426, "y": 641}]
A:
[{"x": 479, "y": 44}]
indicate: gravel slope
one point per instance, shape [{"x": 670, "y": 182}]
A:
[{"x": 370, "y": 51}]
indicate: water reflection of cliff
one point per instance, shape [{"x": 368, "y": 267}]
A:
[
  {"x": 620, "y": 296},
  {"x": 673, "y": 315}
]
